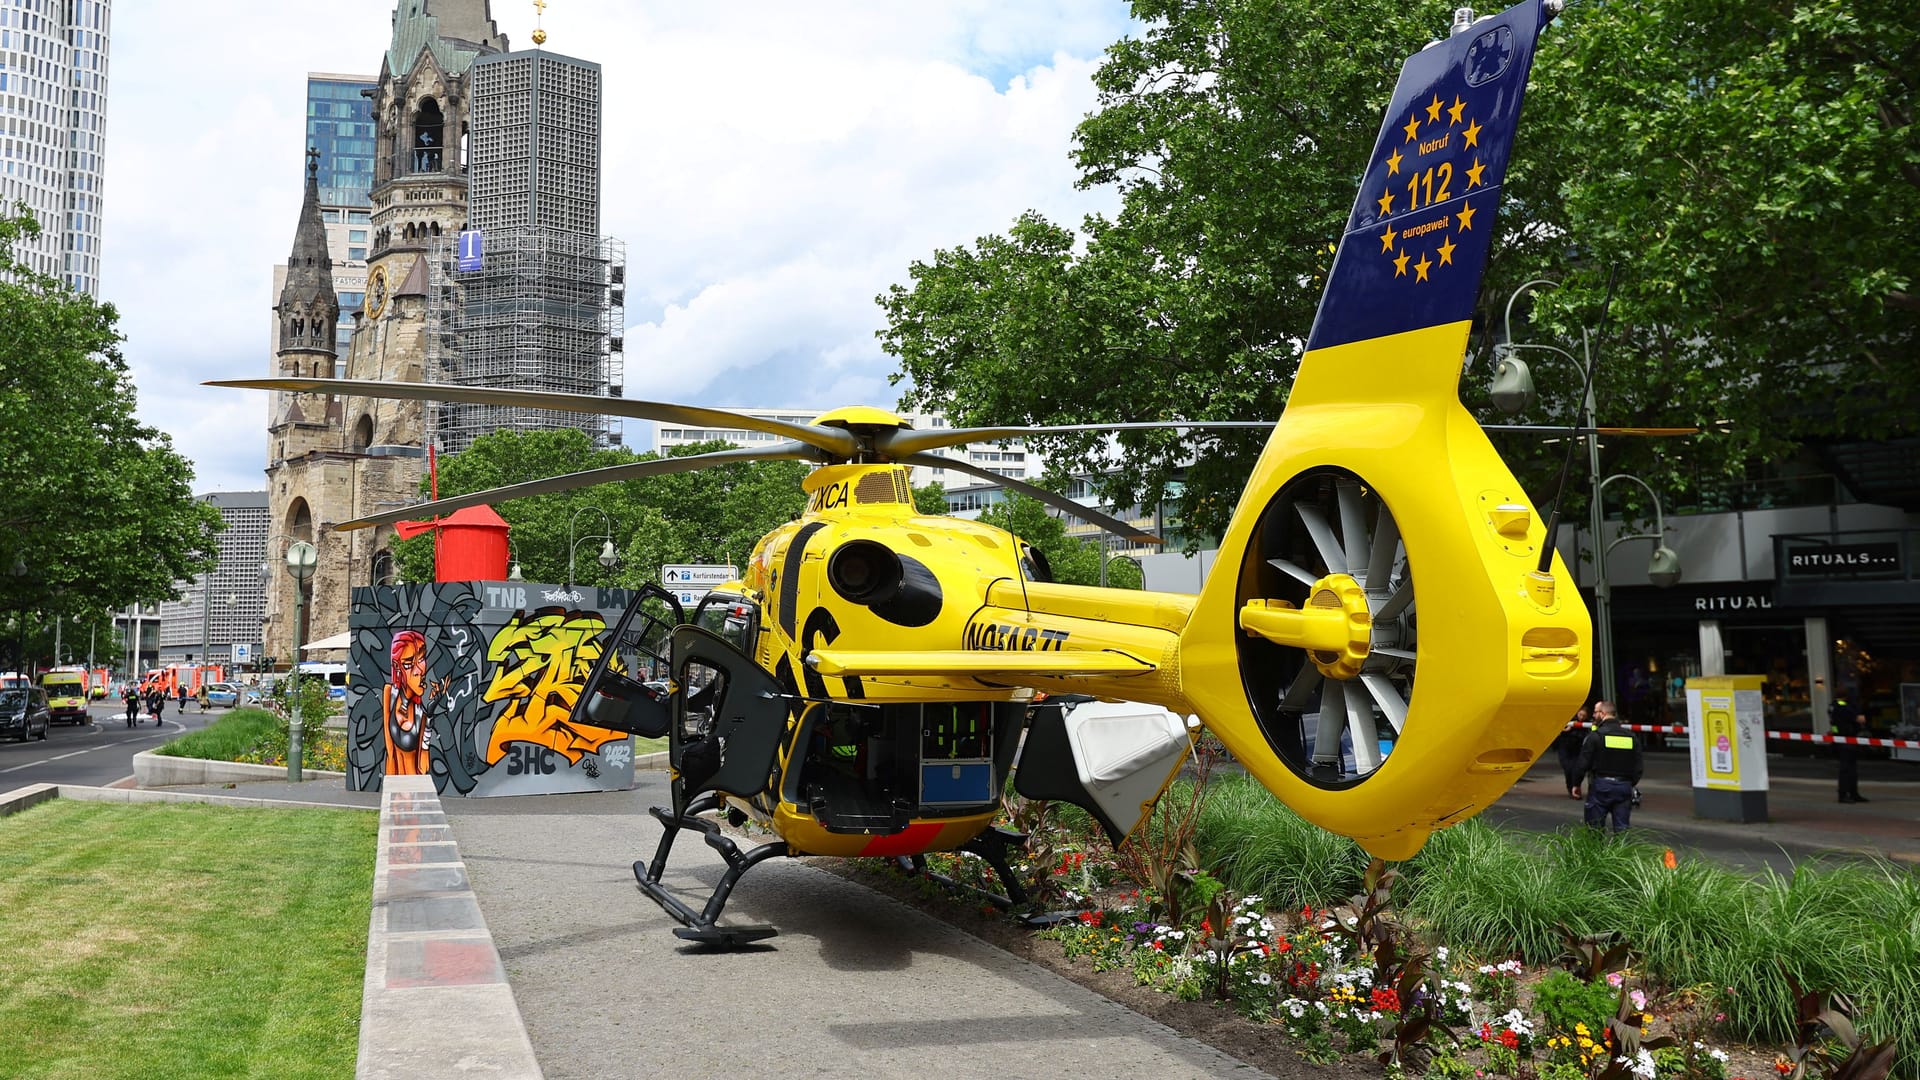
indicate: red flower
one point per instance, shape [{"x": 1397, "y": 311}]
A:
[
  {"x": 1285, "y": 945},
  {"x": 1386, "y": 1000},
  {"x": 1159, "y": 946},
  {"x": 1509, "y": 1040},
  {"x": 1206, "y": 925}
]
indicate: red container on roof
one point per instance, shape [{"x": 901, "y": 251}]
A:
[{"x": 472, "y": 545}]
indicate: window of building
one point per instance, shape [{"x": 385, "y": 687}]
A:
[
  {"x": 357, "y": 236},
  {"x": 358, "y": 253}
]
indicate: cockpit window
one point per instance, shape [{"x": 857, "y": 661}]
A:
[{"x": 733, "y": 618}]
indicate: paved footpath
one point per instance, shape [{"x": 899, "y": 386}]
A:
[{"x": 855, "y": 984}]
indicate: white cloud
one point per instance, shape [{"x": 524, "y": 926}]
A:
[{"x": 771, "y": 167}]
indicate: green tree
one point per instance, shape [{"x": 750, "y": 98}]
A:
[
  {"x": 711, "y": 515},
  {"x": 1751, "y": 171},
  {"x": 931, "y": 500},
  {"x": 1745, "y": 171},
  {"x": 99, "y": 509},
  {"x": 1072, "y": 560}
]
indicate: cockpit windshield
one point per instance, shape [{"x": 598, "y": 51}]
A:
[{"x": 731, "y": 617}]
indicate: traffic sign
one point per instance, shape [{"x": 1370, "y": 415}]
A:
[
  {"x": 702, "y": 578},
  {"x": 689, "y": 583},
  {"x": 242, "y": 652}
]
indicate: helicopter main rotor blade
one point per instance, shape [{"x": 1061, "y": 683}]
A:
[
  {"x": 832, "y": 440},
  {"x": 791, "y": 451},
  {"x": 1059, "y": 502},
  {"x": 906, "y": 442},
  {"x": 1563, "y": 429}
]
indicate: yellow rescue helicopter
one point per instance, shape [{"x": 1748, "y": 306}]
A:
[{"x": 863, "y": 689}]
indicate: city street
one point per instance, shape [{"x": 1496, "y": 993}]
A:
[{"x": 96, "y": 754}]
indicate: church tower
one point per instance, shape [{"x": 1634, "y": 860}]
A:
[
  {"x": 308, "y": 313},
  {"x": 334, "y": 458}
]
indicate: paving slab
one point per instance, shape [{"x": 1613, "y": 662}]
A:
[{"x": 856, "y": 984}]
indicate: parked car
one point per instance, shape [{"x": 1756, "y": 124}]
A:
[
  {"x": 225, "y": 695},
  {"x": 24, "y": 713}
]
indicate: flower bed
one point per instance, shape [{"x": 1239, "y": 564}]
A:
[{"x": 1505, "y": 956}]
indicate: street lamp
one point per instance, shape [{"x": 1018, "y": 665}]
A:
[
  {"x": 1513, "y": 391},
  {"x": 302, "y": 557},
  {"x": 1663, "y": 569},
  {"x": 607, "y": 556}
]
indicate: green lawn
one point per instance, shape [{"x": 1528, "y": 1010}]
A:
[{"x": 182, "y": 940}]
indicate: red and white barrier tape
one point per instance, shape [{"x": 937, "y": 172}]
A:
[{"x": 1790, "y": 736}]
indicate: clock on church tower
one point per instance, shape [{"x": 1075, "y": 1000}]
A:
[{"x": 377, "y": 291}]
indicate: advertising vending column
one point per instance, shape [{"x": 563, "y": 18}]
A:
[{"x": 1727, "y": 740}]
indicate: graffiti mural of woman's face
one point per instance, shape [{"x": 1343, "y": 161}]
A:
[{"x": 410, "y": 671}]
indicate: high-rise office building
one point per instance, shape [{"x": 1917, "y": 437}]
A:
[
  {"x": 340, "y": 126},
  {"x": 53, "y": 112},
  {"x": 340, "y": 129},
  {"x": 540, "y": 304},
  {"x": 222, "y": 609}
]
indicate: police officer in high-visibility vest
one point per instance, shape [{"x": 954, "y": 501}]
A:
[
  {"x": 1847, "y": 720},
  {"x": 1610, "y": 759}
]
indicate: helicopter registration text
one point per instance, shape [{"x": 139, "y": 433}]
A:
[{"x": 999, "y": 636}]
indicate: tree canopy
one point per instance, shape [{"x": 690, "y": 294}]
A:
[
  {"x": 714, "y": 515},
  {"x": 1741, "y": 172},
  {"x": 98, "y": 509}
]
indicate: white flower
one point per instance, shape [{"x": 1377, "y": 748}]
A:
[
  {"x": 1641, "y": 1064},
  {"x": 1212, "y": 957},
  {"x": 1265, "y": 979},
  {"x": 1440, "y": 954}
]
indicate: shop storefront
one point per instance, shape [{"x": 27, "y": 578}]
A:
[{"x": 1843, "y": 612}]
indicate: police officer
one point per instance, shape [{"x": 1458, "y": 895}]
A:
[
  {"x": 1844, "y": 718},
  {"x": 1610, "y": 758}
]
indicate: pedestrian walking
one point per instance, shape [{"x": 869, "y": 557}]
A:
[
  {"x": 182, "y": 688},
  {"x": 1567, "y": 746},
  {"x": 156, "y": 703},
  {"x": 1611, "y": 762},
  {"x": 1845, "y": 719},
  {"x": 131, "y": 694}
]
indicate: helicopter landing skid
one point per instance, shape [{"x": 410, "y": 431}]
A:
[
  {"x": 991, "y": 846},
  {"x": 703, "y": 925}
]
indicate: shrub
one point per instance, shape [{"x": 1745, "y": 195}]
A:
[{"x": 1565, "y": 1002}]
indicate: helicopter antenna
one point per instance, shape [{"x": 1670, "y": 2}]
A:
[{"x": 1566, "y": 462}]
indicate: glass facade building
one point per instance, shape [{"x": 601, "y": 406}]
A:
[
  {"x": 340, "y": 126},
  {"x": 53, "y": 112}
]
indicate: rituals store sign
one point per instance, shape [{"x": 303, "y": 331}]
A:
[{"x": 1821, "y": 561}]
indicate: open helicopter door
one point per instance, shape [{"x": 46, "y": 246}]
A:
[
  {"x": 728, "y": 717},
  {"x": 1110, "y": 758},
  {"x": 616, "y": 695}
]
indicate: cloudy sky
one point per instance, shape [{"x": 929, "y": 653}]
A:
[{"x": 771, "y": 166}]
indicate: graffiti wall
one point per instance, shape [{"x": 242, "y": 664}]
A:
[{"x": 473, "y": 683}]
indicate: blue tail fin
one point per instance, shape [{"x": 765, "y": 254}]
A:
[{"x": 1416, "y": 245}]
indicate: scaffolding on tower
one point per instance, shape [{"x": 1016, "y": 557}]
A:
[{"x": 546, "y": 310}]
